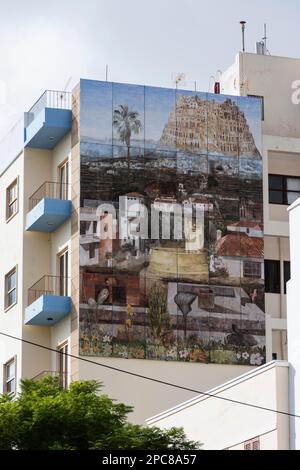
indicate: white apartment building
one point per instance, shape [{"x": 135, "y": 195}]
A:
[
  {"x": 40, "y": 233},
  {"x": 273, "y": 79}
]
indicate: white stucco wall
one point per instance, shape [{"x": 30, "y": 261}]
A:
[
  {"x": 293, "y": 323},
  {"x": 149, "y": 398},
  {"x": 220, "y": 424},
  {"x": 11, "y": 244}
]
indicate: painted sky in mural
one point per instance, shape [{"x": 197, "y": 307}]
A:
[{"x": 199, "y": 298}]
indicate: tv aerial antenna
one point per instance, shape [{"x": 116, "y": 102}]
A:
[
  {"x": 179, "y": 79},
  {"x": 63, "y": 94}
]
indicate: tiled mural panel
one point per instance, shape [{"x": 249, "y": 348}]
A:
[{"x": 171, "y": 234}]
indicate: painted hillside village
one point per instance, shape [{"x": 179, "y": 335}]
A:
[{"x": 199, "y": 298}]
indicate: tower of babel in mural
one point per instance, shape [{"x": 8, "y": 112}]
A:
[
  {"x": 202, "y": 125},
  {"x": 194, "y": 291}
]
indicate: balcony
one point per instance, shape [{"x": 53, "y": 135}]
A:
[
  {"x": 49, "y": 120},
  {"x": 49, "y": 207},
  {"x": 48, "y": 301},
  {"x": 62, "y": 376}
]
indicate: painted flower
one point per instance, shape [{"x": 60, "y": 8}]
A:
[
  {"x": 238, "y": 356},
  {"x": 171, "y": 353},
  {"x": 197, "y": 355},
  {"x": 183, "y": 354},
  {"x": 256, "y": 359},
  {"x": 245, "y": 355},
  {"x": 106, "y": 339},
  {"x": 123, "y": 354}
]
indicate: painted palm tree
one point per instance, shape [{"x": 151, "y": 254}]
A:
[{"x": 126, "y": 123}]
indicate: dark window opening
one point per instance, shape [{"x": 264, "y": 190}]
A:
[
  {"x": 272, "y": 277},
  {"x": 286, "y": 273},
  {"x": 283, "y": 189}
]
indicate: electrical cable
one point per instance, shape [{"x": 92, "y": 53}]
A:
[{"x": 152, "y": 379}]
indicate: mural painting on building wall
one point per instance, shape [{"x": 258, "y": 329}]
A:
[{"x": 198, "y": 297}]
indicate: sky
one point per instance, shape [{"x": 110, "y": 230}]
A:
[{"x": 44, "y": 45}]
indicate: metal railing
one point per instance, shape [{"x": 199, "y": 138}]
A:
[
  {"x": 63, "y": 376},
  {"x": 48, "y": 285},
  {"x": 51, "y": 190},
  {"x": 50, "y": 99}
]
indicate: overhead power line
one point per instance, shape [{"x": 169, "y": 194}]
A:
[{"x": 151, "y": 379}]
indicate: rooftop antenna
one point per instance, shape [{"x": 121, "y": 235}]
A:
[
  {"x": 261, "y": 46},
  {"x": 178, "y": 79},
  {"x": 63, "y": 93},
  {"x": 265, "y": 37},
  {"x": 243, "y": 23},
  {"x": 67, "y": 83}
]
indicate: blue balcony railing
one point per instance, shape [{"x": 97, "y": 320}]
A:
[
  {"x": 48, "y": 120},
  {"x": 62, "y": 376},
  {"x": 49, "y": 207},
  {"x": 49, "y": 190},
  {"x": 48, "y": 301},
  {"x": 50, "y": 99}
]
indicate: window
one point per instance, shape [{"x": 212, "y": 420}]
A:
[
  {"x": 252, "y": 269},
  {"x": 92, "y": 250},
  {"x": 286, "y": 273},
  {"x": 262, "y": 105},
  {"x": 63, "y": 350},
  {"x": 274, "y": 356},
  {"x": 63, "y": 272},
  {"x": 9, "y": 377},
  {"x": 63, "y": 177},
  {"x": 272, "y": 277},
  {"x": 253, "y": 444},
  {"x": 11, "y": 288},
  {"x": 82, "y": 227},
  {"x": 12, "y": 205},
  {"x": 283, "y": 189}
]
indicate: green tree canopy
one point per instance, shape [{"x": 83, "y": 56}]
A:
[{"x": 46, "y": 417}]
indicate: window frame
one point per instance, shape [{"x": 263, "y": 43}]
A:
[
  {"x": 63, "y": 262},
  {"x": 63, "y": 363},
  {"x": 251, "y": 443},
  {"x": 286, "y": 273},
  {"x": 246, "y": 269},
  {"x": 92, "y": 250},
  {"x": 9, "y": 203},
  {"x": 64, "y": 190},
  {"x": 6, "y": 380},
  {"x": 284, "y": 191},
  {"x": 278, "y": 284},
  {"x": 6, "y": 292}
]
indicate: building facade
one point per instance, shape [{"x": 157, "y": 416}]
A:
[
  {"x": 224, "y": 423},
  {"x": 79, "y": 274},
  {"x": 273, "y": 80}
]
